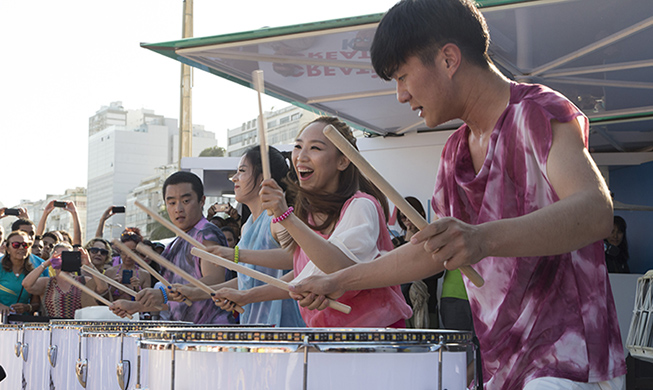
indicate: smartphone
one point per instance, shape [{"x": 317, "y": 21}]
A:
[
  {"x": 222, "y": 207},
  {"x": 118, "y": 209},
  {"x": 71, "y": 261},
  {"x": 15, "y": 212},
  {"x": 59, "y": 204},
  {"x": 127, "y": 276}
]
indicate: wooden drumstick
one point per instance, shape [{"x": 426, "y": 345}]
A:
[
  {"x": 174, "y": 268},
  {"x": 143, "y": 264},
  {"x": 113, "y": 283},
  {"x": 217, "y": 260},
  {"x": 87, "y": 290},
  {"x": 257, "y": 81},
  {"x": 170, "y": 226},
  {"x": 395, "y": 197}
]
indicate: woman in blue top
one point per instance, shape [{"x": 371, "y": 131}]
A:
[
  {"x": 258, "y": 232},
  {"x": 15, "y": 265}
]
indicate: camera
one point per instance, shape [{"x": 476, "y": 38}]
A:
[
  {"x": 59, "y": 204},
  {"x": 15, "y": 212},
  {"x": 118, "y": 209},
  {"x": 71, "y": 261}
]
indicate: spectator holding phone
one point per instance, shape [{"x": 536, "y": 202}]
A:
[
  {"x": 17, "y": 212},
  {"x": 61, "y": 299},
  {"x": 127, "y": 271},
  {"x": 68, "y": 206},
  {"x": 15, "y": 266}
]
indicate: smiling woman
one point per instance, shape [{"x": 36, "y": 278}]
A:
[
  {"x": 339, "y": 220},
  {"x": 15, "y": 266}
]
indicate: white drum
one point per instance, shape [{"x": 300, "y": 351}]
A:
[
  {"x": 63, "y": 351},
  {"x": 640, "y": 335},
  {"x": 315, "y": 359},
  {"x": 10, "y": 341},
  {"x": 110, "y": 355},
  {"x": 34, "y": 351}
]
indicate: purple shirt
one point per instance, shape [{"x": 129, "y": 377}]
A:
[
  {"x": 535, "y": 316},
  {"x": 178, "y": 252}
]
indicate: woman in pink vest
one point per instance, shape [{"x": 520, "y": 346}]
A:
[{"x": 338, "y": 220}]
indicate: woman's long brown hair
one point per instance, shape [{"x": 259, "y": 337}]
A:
[{"x": 330, "y": 204}]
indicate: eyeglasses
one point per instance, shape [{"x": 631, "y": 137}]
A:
[
  {"x": 101, "y": 251},
  {"x": 17, "y": 244}
]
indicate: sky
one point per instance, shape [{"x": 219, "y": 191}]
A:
[{"x": 62, "y": 61}]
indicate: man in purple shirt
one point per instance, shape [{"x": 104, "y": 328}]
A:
[{"x": 183, "y": 193}]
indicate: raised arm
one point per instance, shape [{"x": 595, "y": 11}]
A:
[
  {"x": 33, "y": 283},
  {"x": 108, "y": 213},
  {"x": 77, "y": 226},
  {"x": 40, "y": 229}
]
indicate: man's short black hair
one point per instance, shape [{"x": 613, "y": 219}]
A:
[
  {"x": 422, "y": 27},
  {"x": 185, "y": 177},
  {"x": 20, "y": 222}
]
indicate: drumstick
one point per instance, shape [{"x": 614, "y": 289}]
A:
[
  {"x": 87, "y": 290},
  {"x": 395, "y": 197},
  {"x": 257, "y": 80},
  {"x": 113, "y": 283},
  {"x": 170, "y": 226},
  {"x": 172, "y": 267},
  {"x": 125, "y": 249},
  {"x": 217, "y": 260}
]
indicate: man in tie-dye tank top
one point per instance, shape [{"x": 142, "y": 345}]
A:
[{"x": 519, "y": 198}]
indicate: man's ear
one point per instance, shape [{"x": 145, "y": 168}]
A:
[
  {"x": 452, "y": 57},
  {"x": 202, "y": 202},
  {"x": 343, "y": 163}
]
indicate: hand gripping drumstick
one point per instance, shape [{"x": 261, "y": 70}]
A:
[
  {"x": 210, "y": 257},
  {"x": 125, "y": 249},
  {"x": 257, "y": 81},
  {"x": 113, "y": 283},
  {"x": 169, "y": 265},
  {"x": 87, "y": 290},
  {"x": 395, "y": 197}
]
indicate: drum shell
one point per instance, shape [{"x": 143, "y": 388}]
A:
[
  {"x": 34, "y": 353},
  {"x": 9, "y": 335},
  {"x": 337, "y": 358},
  {"x": 64, "y": 337},
  {"x": 106, "y": 345}
]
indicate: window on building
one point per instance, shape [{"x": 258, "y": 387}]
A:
[
  {"x": 272, "y": 124},
  {"x": 283, "y": 120},
  {"x": 296, "y": 116}
]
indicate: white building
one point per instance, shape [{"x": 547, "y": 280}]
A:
[
  {"x": 282, "y": 127},
  {"x": 124, "y": 148}
]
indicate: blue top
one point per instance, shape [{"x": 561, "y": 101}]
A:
[
  {"x": 281, "y": 313},
  {"x": 11, "y": 286}
]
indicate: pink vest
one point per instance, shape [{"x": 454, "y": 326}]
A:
[{"x": 379, "y": 307}]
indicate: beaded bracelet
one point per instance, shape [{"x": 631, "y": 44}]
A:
[
  {"x": 165, "y": 295},
  {"x": 236, "y": 254},
  {"x": 284, "y": 215}
]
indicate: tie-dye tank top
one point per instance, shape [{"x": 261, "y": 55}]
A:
[{"x": 536, "y": 316}]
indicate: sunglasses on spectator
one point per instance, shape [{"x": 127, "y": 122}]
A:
[
  {"x": 130, "y": 236},
  {"x": 17, "y": 244},
  {"x": 101, "y": 251}
]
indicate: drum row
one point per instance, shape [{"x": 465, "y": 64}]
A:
[{"x": 68, "y": 354}]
